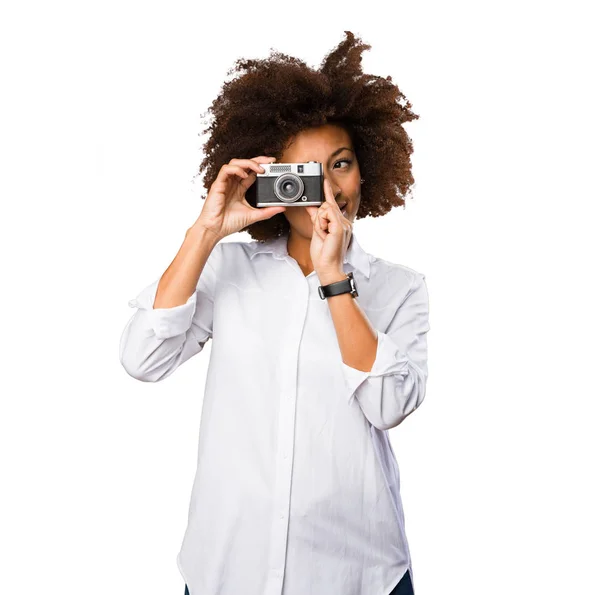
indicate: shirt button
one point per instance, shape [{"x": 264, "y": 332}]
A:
[{"x": 282, "y": 515}]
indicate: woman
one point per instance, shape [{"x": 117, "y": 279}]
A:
[{"x": 319, "y": 348}]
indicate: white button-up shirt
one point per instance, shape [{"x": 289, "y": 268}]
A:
[{"x": 297, "y": 489}]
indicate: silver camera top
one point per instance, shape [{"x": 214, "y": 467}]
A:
[{"x": 311, "y": 168}]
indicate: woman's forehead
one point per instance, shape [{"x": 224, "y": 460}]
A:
[{"x": 325, "y": 141}]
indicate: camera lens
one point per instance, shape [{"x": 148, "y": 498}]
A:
[{"x": 288, "y": 187}]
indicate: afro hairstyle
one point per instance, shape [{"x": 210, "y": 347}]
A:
[{"x": 261, "y": 110}]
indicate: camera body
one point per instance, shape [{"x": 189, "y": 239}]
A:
[{"x": 290, "y": 184}]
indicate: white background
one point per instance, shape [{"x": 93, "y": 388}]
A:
[{"x": 100, "y": 124}]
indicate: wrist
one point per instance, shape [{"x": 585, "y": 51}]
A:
[
  {"x": 329, "y": 277},
  {"x": 203, "y": 235}
]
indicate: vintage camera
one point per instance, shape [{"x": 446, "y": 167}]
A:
[{"x": 291, "y": 184}]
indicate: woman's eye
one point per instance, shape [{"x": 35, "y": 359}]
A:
[{"x": 348, "y": 161}]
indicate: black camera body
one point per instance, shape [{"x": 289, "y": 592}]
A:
[{"x": 290, "y": 184}]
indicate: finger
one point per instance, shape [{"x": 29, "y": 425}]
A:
[
  {"x": 264, "y": 158},
  {"x": 237, "y": 175},
  {"x": 260, "y": 158},
  {"x": 317, "y": 226},
  {"x": 329, "y": 198},
  {"x": 252, "y": 163},
  {"x": 255, "y": 168},
  {"x": 266, "y": 212},
  {"x": 323, "y": 218},
  {"x": 228, "y": 171},
  {"x": 251, "y": 178}
]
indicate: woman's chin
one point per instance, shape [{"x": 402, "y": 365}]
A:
[{"x": 302, "y": 227}]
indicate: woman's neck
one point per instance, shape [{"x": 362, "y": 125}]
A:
[{"x": 298, "y": 248}]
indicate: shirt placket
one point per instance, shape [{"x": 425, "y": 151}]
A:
[{"x": 285, "y": 431}]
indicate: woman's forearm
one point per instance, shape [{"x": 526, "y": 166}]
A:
[{"x": 180, "y": 279}]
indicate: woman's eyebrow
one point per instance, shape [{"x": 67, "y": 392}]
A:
[
  {"x": 333, "y": 154},
  {"x": 340, "y": 150}
]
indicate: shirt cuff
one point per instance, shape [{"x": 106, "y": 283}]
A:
[
  {"x": 389, "y": 360},
  {"x": 165, "y": 322}
]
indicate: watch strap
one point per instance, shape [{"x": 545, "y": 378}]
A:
[{"x": 347, "y": 285}]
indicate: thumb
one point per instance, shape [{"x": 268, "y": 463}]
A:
[{"x": 269, "y": 212}]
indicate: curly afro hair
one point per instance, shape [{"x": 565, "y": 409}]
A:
[{"x": 259, "y": 113}]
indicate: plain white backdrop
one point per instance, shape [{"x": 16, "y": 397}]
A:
[{"x": 100, "y": 138}]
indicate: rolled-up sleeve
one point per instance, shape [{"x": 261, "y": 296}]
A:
[
  {"x": 156, "y": 341},
  {"x": 396, "y": 384}
]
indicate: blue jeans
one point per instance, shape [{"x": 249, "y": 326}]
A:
[{"x": 404, "y": 587}]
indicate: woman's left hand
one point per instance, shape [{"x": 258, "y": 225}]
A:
[{"x": 331, "y": 236}]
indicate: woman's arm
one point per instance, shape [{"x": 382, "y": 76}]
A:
[
  {"x": 395, "y": 385},
  {"x": 175, "y": 313}
]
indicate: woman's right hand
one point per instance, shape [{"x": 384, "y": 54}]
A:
[{"x": 226, "y": 210}]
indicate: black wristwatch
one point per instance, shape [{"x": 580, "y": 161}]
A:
[{"x": 347, "y": 285}]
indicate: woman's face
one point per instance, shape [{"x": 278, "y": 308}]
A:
[{"x": 331, "y": 145}]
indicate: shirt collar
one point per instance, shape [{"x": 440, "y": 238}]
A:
[{"x": 355, "y": 255}]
